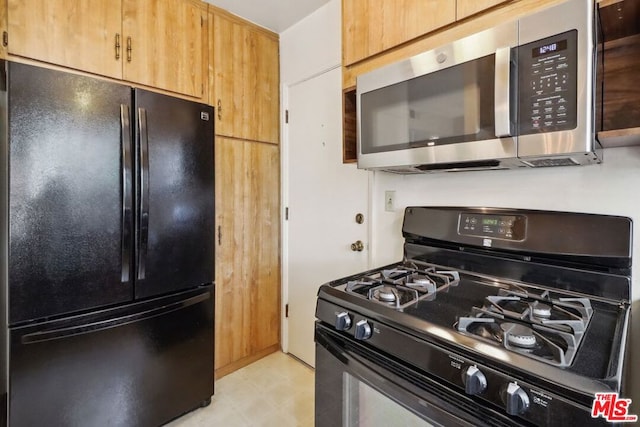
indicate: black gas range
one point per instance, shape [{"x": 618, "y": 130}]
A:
[{"x": 494, "y": 317}]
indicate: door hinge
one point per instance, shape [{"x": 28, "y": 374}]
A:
[
  {"x": 5, "y": 39},
  {"x": 286, "y": 116},
  {"x": 286, "y": 213},
  {"x": 286, "y": 310}
]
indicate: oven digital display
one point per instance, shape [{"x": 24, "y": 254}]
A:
[
  {"x": 505, "y": 227},
  {"x": 549, "y": 48}
]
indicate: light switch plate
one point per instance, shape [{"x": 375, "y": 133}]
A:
[{"x": 389, "y": 201}]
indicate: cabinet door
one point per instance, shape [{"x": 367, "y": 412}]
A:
[
  {"x": 79, "y": 34},
  {"x": 247, "y": 250},
  {"x": 372, "y": 27},
  {"x": 245, "y": 80},
  {"x": 163, "y": 46},
  {"x": 470, "y": 7}
]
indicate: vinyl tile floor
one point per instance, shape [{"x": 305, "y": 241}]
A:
[{"x": 277, "y": 390}]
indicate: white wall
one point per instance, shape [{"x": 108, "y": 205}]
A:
[{"x": 312, "y": 45}]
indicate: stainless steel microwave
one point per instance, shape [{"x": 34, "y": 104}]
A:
[{"x": 521, "y": 94}]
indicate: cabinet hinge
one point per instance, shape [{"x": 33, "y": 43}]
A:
[
  {"x": 5, "y": 39},
  {"x": 219, "y": 235},
  {"x": 286, "y": 116},
  {"x": 286, "y": 213},
  {"x": 286, "y": 310},
  {"x": 202, "y": 21}
]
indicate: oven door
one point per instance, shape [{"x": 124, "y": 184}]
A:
[{"x": 356, "y": 385}]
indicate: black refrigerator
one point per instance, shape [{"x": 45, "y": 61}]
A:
[{"x": 107, "y": 254}]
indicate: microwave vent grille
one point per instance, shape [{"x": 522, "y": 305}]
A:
[{"x": 544, "y": 163}]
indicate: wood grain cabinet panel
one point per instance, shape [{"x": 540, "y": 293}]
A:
[
  {"x": 467, "y": 8},
  {"x": 245, "y": 79},
  {"x": 78, "y": 34},
  {"x": 165, "y": 38},
  {"x": 247, "y": 252},
  {"x": 156, "y": 43},
  {"x": 371, "y": 27}
]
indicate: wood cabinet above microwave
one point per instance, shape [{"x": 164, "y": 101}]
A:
[
  {"x": 370, "y": 28},
  {"x": 153, "y": 43}
]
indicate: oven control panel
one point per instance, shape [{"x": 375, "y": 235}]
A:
[
  {"x": 548, "y": 71},
  {"x": 506, "y": 227}
]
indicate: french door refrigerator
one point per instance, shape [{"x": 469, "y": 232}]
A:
[{"x": 107, "y": 252}]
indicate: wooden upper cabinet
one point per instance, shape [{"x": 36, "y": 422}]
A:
[
  {"x": 156, "y": 43},
  {"x": 78, "y": 34},
  {"x": 471, "y": 7},
  {"x": 244, "y": 79},
  {"x": 163, "y": 44},
  {"x": 370, "y": 27}
]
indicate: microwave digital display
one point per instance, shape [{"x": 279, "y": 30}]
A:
[{"x": 549, "y": 48}]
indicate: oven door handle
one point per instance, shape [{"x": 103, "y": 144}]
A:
[{"x": 502, "y": 92}]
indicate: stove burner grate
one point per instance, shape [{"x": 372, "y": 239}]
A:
[
  {"x": 404, "y": 284},
  {"x": 546, "y": 328}
]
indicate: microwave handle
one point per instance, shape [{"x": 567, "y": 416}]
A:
[{"x": 502, "y": 92}]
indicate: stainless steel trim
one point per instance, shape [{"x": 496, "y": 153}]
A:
[
  {"x": 579, "y": 144},
  {"x": 502, "y": 92},
  {"x": 127, "y": 192},
  {"x": 143, "y": 211}
]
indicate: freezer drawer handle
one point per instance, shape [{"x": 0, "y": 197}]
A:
[
  {"x": 127, "y": 193},
  {"x": 61, "y": 333},
  {"x": 143, "y": 212}
]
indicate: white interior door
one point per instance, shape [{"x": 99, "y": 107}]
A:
[{"x": 323, "y": 196}]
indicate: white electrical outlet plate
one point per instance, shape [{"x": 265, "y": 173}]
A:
[{"x": 389, "y": 201}]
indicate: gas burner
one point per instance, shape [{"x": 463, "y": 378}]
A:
[
  {"x": 541, "y": 311},
  {"x": 519, "y": 335},
  {"x": 422, "y": 284},
  {"x": 386, "y": 294}
]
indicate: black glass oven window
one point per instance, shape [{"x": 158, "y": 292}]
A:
[
  {"x": 366, "y": 406},
  {"x": 452, "y": 105}
]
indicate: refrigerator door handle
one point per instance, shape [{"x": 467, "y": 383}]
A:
[
  {"x": 143, "y": 212},
  {"x": 61, "y": 333},
  {"x": 127, "y": 192}
]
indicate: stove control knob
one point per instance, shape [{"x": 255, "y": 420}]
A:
[
  {"x": 363, "y": 330},
  {"x": 343, "y": 321},
  {"x": 474, "y": 380},
  {"x": 516, "y": 399}
]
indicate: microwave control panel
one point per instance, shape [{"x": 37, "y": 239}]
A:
[{"x": 547, "y": 74}]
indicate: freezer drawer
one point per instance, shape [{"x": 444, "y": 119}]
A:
[{"x": 139, "y": 365}]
